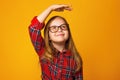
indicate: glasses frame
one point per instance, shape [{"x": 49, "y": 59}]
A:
[{"x": 58, "y": 28}]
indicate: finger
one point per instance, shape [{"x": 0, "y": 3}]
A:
[
  {"x": 59, "y": 10},
  {"x": 68, "y": 8},
  {"x": 63, "y": 6}
]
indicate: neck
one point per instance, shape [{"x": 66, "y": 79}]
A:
[{"x": 59, "y": 46}]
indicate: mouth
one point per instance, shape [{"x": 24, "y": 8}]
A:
[{"x": 60, "y": 34}]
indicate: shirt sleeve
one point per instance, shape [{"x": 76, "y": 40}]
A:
[
  {"x": 79, "y": 75},
  {"x": 35, "y": 34}
]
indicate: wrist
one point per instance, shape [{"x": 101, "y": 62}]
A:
[{"x": 50, "y": 8}]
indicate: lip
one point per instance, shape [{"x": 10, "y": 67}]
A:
[{"x": 60, "y": 34}]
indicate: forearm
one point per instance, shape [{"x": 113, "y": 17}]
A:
[{"x": 42, "y": 17}]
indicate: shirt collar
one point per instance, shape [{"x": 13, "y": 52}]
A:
[{"x": 64, "y": 52}]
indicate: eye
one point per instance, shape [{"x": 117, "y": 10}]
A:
[
  {"x": 64, "y": 26},
  {"x": 53, "y": 27}
]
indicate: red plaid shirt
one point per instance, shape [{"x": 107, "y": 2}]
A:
[{"x": 63, "y": 65}]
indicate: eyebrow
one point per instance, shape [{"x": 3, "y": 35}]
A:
[{"x": 59, "y": 25}]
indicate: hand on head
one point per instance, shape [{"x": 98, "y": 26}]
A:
[{"x": 60, "y": 7}]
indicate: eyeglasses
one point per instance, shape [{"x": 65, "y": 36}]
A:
[{"x": 54, "y": 29}]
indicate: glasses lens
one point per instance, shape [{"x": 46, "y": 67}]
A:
[
  {"x": 53, "y": 28},
  {"x": 63, "y": 27}
]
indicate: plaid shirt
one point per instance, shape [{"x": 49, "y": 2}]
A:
[{"x": 63, "y": 65}]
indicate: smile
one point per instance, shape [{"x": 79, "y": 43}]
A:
[{"x": 60, "y": 35}]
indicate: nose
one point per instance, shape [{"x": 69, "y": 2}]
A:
[{"x": 59, "y": 29}]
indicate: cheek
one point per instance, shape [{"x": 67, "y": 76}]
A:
[{"x": 67, "y": 34}]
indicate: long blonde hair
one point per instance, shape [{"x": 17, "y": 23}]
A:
[{"x": 69, "y": 44}]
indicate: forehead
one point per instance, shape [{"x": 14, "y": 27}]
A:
[{"x": 57, "y": 22}]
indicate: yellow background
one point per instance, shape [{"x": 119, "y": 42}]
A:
[{"x": 95, "y": 26}]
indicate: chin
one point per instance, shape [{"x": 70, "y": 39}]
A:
[{"x": 60, "y": 41}]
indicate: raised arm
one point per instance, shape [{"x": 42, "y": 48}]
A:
[
  {"x": 38, "y": 23},
  {"x": 57, "y": 7}
]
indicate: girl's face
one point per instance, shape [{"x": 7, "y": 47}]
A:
[{"x": 58, "y": 31}]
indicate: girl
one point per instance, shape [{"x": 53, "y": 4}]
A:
[{"x": 57, "y": 53}]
